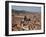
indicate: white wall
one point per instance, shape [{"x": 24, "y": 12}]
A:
[{"x": 2, "y": 19}]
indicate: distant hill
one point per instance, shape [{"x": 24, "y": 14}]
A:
[{"x": 22, "y": 11}]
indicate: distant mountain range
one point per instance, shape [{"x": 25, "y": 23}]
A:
[{"x": 22, "y": 11}]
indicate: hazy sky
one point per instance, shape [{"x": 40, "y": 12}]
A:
[{"x": 27, "y": 8}]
